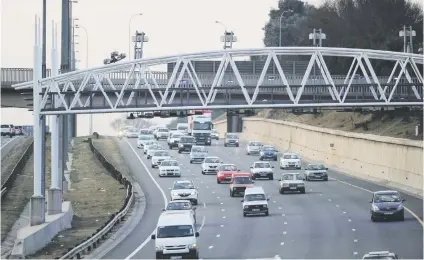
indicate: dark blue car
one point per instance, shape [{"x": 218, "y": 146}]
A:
[
  {"x": 387, "y": 205},
  {"x": 268, "y": 153}
]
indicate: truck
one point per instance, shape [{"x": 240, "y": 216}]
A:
[{"x": 200, "y": 127}]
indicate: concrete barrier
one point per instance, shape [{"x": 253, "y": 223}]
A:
[{"x": 391, "y": 161}]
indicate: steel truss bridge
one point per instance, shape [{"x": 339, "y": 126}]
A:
[{"x": 92, "y": 90}]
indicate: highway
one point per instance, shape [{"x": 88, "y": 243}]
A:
[
  {"x": 331, "y": 220},
  {"x": 8, "y": 143}
]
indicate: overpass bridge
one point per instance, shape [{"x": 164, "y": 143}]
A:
[{"x": 132, "y": 86}]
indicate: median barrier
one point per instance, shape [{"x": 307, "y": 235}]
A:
[
  {"x": 93, "y": 241},
  {"x": 386, "y": 160}
]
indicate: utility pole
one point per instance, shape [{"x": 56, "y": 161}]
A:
[
  {"x": 138, "y": 40},
  {"x": 405, "y": 33},
  {"x": 43, "y": 118}
]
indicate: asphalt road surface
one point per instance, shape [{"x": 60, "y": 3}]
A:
[
  {"x": 7, "y": 143},
  {"x": 331, "y": 220}
]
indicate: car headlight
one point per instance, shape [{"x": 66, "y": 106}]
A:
[
  {"x": 192, "y": 246},
  {"x": 180, "y": 145},
  {"x": 245, "y": 207},
  {"x": 174, "y": 194},
  {"x": 285, "y": 184},
  {"x": 159, "y": 248},
  {"x": 400, "y": 207},
  {"x": 375, "y": 208},
  {"x": 236, "y": 141},
  {"x": 265, "y": 206},
  {"x": 193, "y": 193}
]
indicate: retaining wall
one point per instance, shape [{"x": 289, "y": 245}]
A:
[{"x": 396, "y": 162}]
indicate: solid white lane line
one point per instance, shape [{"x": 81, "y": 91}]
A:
[
  {"x": 210, "y": 247},
  {"x": 282, "y": 244},
  {"x": 8, "y": 142},
  {"x": 203, "y": 223},
  {"x": 407, "y": 209},
  {"x": 218, "y": 235},
  {"x": 165, "y": 199}
]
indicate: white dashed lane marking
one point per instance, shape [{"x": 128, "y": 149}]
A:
[
  {"x": 222, "y": 209},
  {"x": 282, "y": 244},
  {"x": 353, "y": 229},
  {"x": 355, "y": 240},
  {"x": 355, "y": 253},
  {"x": 283, "y": 215},
  {"x": 285, "y": 223},
  {"x": 204, "y": 205},
  {"x": 329, "y": 199},
  {"x": 213, "y": 192},
  {"x": 349, "y": 220},
  {"x": 218, "y": 235},
  {"x": 210, "y": 247},
  {"x": 273, "y": 201},
  {"x": 218, "y": 197},
  {"x": 222, "y": 225},
  {"x": 284, "y": 232},
  {"x": 222, "y": 203},
  {"x": 224, "y": 217},
  {"x": 279, "y": 208},
  {"x": 344, "y": 212},
  {"x": 337, "y": 206}
]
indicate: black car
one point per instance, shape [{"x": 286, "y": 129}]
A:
[
  {"x": 186, "y": 142},
  {"x": 387, "y": 205}
]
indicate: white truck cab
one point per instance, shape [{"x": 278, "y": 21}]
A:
[
  {"x": 255, "y": 201},
  {"x": 176, "y": 236}
]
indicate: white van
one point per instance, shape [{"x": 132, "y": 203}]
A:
[
  {"x": 255, "y": 201},
  {"x": 182, "y": 127},
  {"x": 176, "y": 236}
]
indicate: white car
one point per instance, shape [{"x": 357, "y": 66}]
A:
[
  {"x": 262, "y": 170},
  {"x": 160, "y": 156},
  {"x": 255, "y": 201},
  {"x": 153, "y": 150},
  {"x": 184, "y": 190},
  {"x": 316, "y": 172},
  {"x": 132, "y": 133},
  {"x": 198, "y": 153},
  {"x": 146, "y": 131},
  {"x": 174, "y": 139},
  {"x": 253, "y": 147},
  {"x": 7, "y": 130},
  {"x": 169, "y": 168},
  {"x": 150, "y": 144},
  {"x": 181, "y": 205},
  {"x": 143, "y": 139},
  {"x": 291, "y": 182},
  {"x": 210, "y": 164},
  {"x": 290, "y": 160},
  {"x": 162, "y": 133}
]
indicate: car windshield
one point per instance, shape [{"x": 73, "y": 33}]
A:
[
  {"x": 232, "y": 136},
  {"x": 163, "y": 130},
  {"x": 4, "y": 126},
  {"x": 267, "y": 148},
  {"x": 228, "y": 168},
  {"x": 151, "y": 143},
  {"x": 291, "y": 177},
  {"x": 182, "y": 128},
  {"x": 183, "y": 186},
  {"x": 242, "y": 180},
  {"x": 145, "y": 137},
  {"x": 255, "y": 144},
  {"x": 145, "y": 132},
  {"x": 254, "y": 197},
  {"x": 155, "y": 147},
  {"x": 388, "y": 197},
  {"x": 175, "y": 231},
  {"x": 169, "y": 163},
  {"x": 198, "y": 149},
  {"x": 161, "y": 153},
  {"x": 179, "y": 205},
  {"x": 315, "y": 167},
  {"x": 290, "y": 156},
  {"x": 176, "y": 135},
  {"x": 187, "y": 140},
  {"x": 133, "y": 130},
  {"x": 212, "y": 160},
  {"x": 262, "y": 165}
]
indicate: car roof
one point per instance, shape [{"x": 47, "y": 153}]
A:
[
  {"x": 290, "y": 173},
  {"x": 226, "y": 164},
  {"x": 170, "y": 160},
  {"x": 241, "y": 174},
  {"x": 386, "y": 192},
  {"x": 183, "y": 181},
  {"x": 178, "y": 201},
  {"x": 175, "y": 217},
  {"x": 254, "y": 190},
  {"x": 260, "y": 162},
  {"x": 211, "y": 157}
]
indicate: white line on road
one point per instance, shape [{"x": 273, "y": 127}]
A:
[
  {"x": 222, "y": 209},
  {"x": 203, "y": 223},
  {"x": 285, "y": 223},
  {"x": 353, "y": 229},
  {"x": 349, "y": 220},
  {"x": 344, "y": 212},
  {"x": 210, "y": 247},
  {"x": 218, "y": 235},
  {"x": 273, "y": 201},
  {"x": 165, "y": 200},
  {"x": 355, "y": 253},
  {"x": 282, "y": 244},
  {"x": 283, "y": 215},
  {"x": 218, "y": 197},
  {"x": 222, "y": 225},
  {"x": 222, "y": 203},
  {"x": 213, "y": 192},
  {"x": 355, "y": 240},
  {"x": 204, "y": 205},
  {"x": 9, "y": 142},
  {"x": 337, "y": 206},
  {"x": 280, "y": 208},
  {"x": 224, "y": 217},
  {"x": 329, "y": 199},
  {"x": 284, "y": 232},
  {"x": 207, "y": 187}
]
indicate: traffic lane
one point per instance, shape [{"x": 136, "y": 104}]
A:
[
  {"x": 205, "y": 211},
  {"x": 7, "y": 144},
  {"x": 354, "y": 201},
  {"x": 299, "y": 210},
  {"x": 405, "y": 238},
  {"x": 154, "y": 204}
]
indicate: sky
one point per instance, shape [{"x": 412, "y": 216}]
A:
[{"x": 172, "y": 26}]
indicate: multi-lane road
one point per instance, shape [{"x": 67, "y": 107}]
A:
[{"x": 330, "y": 221}]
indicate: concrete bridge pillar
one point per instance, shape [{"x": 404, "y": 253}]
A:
[{"x": 234, "y": 124}]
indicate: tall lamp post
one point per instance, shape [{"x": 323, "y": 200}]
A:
[
  {"x": 228, "y": 37},
  {"x": 129, "y": 33},
  {"x": 281, "y": 17}
]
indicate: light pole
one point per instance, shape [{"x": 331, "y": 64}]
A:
[
  {"x": 281, "y": 17},
  {"x": 86, "y": 43},
  {"x": 228, "y": 37},
  {"x": 129, "y": 33}
]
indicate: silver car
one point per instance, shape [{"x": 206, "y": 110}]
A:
[
  {"x": 198, "y": 153},
  {"x": 316, "y": 172},
  {"x": 253, "y": 147}
]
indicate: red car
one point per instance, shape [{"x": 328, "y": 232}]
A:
[{"x": 225, "y": 172}]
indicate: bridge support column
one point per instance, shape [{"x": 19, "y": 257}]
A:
[
  {"x": 54, "y": 202},
  {"x": 233, "y": 124},
  {"x": 65, "y": 144}
]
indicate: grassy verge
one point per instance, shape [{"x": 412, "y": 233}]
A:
[{"x": 95, "y": 196}]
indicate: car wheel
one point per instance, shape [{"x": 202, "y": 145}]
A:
[
  {"x": 281, "y": 191},
  {"x": 231, "y": 194},
  {"x": 244, "y": 214},
  {"x": 191, "y": 161},
  {"x": 225, "y": 145},
  {"x": 248, "y": 153},
  {"x": 253, "y": 178},
  {"x": 281, "y": 168},
  {"x": 159, "y": 255},
  {"x": 260, "y": 158},
  {"x": 266, "y": 214},
  {"x": 372, "y": 218},
  {"x": 275, "y": 159},
  {"x": 153, "y": 166},
  {"x": 203, "y": 173},
  {"x": 195, "y": 202},
  {"x": 237, "y": 145},
  {"x": 271, "y": 178},
  {"x": 217, "y": 181},
  {"x": 302, "y": 191},
  {"x": 326, "y": 179},
  {"x": 179, "y": 151}
]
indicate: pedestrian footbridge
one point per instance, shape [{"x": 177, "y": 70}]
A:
[{"x": 136, "y": 86}]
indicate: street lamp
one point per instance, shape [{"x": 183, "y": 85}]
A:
[
  {"x": 281, "y": 17},
  {"x": 129, "y": 32},
  {"x": 225, "y": 27},
  {"x": 228, "y": 37}
]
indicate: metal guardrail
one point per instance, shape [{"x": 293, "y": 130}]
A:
[
  {"x": 92, "y": 242},
  {"x": 18, "y": 168}
]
